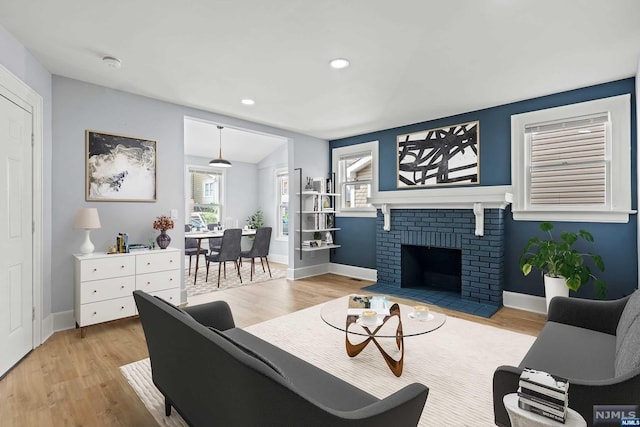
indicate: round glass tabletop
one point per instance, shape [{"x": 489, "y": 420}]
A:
[{"x": 339, "y": 315}]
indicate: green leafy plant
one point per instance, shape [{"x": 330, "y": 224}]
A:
[
  {"x": 558, "y": 258},
  {"x": 256, "y": 220},
  {"x": 317, "y": 235}
]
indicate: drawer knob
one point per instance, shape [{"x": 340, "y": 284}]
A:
[
  {"x": 148, "y": 263},
  {"x": 122, "y": 266},
  {"x": 95, "y": 291},
  {"x": 148, "y": 283},
  {"x": 122, "y": 308},
  {"x": 170, "y": 261},
  {"x": 95, "y": 312},
  {"x": 95, "y": 269}
]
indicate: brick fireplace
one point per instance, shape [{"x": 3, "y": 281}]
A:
[
  {"x": 467, "y": 222},
  {"x": 482, "y": 257}
]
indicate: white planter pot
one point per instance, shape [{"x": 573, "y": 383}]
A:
[{"x": 554, "y": 287}]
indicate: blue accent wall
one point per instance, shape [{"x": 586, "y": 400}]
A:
[{"x": 615, "y": 242}]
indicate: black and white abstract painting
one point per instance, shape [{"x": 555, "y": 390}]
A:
[
  {"x": 120, "y": 168},
  {"x": 446, "y": 155}
]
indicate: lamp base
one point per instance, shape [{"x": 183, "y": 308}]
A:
[{"x": 87, "y": 247}]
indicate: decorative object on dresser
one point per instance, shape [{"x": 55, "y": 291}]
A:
[
  {"x": 120, "y": 168},
  {"x": 163, "y": 223},
  {"x": 87, "y": 219},
  {"x": 104, "y": 283}
]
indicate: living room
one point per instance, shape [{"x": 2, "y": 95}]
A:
[{"x": 70, "y": 105}]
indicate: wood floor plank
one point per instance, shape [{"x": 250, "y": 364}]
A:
[{"x": 69, "y": 381}]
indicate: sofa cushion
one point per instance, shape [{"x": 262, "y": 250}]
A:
[
  {"x": 572, "y": 352},
  {"x": 310, "y": 381},
  {"x": 628, "y": 356},
  {"x": 630, "y": 313}
]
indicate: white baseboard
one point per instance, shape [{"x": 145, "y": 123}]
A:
[
  {"x": 312, "y": 270},
  {"x": 355, "y": 272},
  {"x": 63, "y": 320},
  {"x": 280, "y": 259},
  {"x": 46, "y": 328},
  {"x": 524, "y": 302}
]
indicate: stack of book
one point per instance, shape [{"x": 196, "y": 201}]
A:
[{"x": 543, "y": 394}]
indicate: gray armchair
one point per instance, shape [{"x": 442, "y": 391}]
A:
[{"x": 594, "y": 344}]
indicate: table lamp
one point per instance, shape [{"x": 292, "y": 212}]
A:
[{"x": 87, "y": 219}]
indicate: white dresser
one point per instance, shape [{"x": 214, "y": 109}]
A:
[{"x": 104, "y": 284}]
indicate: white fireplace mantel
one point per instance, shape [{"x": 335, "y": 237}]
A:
[{"x": 476, "y": 198}]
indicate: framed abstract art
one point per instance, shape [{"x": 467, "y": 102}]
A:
[
  {"x": 120, "y": 168},
  {"x": 442, "y": 156}
]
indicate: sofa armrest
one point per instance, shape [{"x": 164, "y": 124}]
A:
[
  {"x": 505, "y": 381},
  {"x": 215, "y": 314},
  {"x": 404, "y": 407},
  {"x": 600, "y": 316}
]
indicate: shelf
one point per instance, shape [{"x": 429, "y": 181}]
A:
[
  {"x": 317, "y": 212},
  {"x": 318, "y": 230},
  {"x": 315, "y": 193},
  {"x": 319, "y": 248}
]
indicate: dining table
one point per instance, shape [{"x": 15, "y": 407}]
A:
[{"x": 211, "y": 234}]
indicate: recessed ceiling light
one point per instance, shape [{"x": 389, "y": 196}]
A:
[
  {"x": 112, "y": 62},
  {"x": 339, "y": 63},
  {"x": 248, "y": 101}
]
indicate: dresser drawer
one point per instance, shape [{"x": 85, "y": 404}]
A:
[
  {"x": 169, "y": 295},
  {"x": 152, "y": 282},
  {"x": 103, "y": 311},
  {"x": 104, "y": 268},
  {"x": 157, "y": 261},
  {"x": 99, "y": 290}
]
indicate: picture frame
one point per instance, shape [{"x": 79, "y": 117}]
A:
[
  {"x": 449, "y": 155},
  {"x": 120, "y": 168}
]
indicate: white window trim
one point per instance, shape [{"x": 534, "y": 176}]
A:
[
  {"x": 619, "y": 109},
  {"x": 277, "y": 173},
  {"x": 223, "y": 186},
  {"x": 339, "y": 152}
]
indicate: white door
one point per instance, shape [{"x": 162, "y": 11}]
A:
[{"x": 16, "y": 217}]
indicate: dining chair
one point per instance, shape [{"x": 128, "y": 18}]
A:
[
  {"x": 229, "y": 251},
  {"x": 191, "y": 247},
  {"x": 214, "y": 242},
  {"x": 259, "y": 249}
]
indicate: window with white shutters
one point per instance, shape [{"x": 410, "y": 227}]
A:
[{"x": 573, "y": 163}]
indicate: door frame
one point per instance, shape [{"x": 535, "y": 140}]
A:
[{"x": 17, "y": 91}]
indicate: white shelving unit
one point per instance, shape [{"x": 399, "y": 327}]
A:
[{"x": 313, "y": 216}]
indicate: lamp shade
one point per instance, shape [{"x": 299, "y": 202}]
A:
[{"x": 87, "y": 219}]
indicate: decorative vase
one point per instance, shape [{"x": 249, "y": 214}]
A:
[
  {"x": 554, "y": 287},
  {"x": 163, "y": 239}
]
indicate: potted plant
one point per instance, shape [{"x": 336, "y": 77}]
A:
[
  {"x": 256, "y": 220},
  {"x": 563, "y": 266},
  {"x": 317, "y": 236}
]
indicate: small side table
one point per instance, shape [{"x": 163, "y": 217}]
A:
[{"x": 523, "y": 418}]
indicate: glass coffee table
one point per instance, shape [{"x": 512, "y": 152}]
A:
[{"x": 395, "y": 321}]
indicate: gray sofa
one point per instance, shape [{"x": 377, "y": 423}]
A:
[
  {"x": 213, "y": 373},
  {"x": 594, "y": 344}
]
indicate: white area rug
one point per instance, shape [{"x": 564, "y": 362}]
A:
[{"x": 456, "y": 362}]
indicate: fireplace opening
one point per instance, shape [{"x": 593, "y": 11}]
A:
[{"x": 429, "y": 267}]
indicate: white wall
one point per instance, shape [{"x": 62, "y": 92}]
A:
[
  {"x": 79, "y": 106},
  {"x": 267, "y": 197},
  {"x": 23, "y": 65}
]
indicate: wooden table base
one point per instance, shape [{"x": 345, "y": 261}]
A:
[{"x": 355, "y": 349}]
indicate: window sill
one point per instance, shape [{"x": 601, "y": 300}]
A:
[{"x": 619, "y": 216}]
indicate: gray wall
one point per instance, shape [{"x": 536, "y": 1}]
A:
[
  {"x": 79, "y": 106},
  {"x": 22, "y": 64}
]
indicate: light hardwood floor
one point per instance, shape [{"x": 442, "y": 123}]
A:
[{"x": 69, "y": 381}]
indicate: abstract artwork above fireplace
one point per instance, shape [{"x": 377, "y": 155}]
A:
[{"x": 446, "y": 155}]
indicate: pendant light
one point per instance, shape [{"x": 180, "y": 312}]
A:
[{"x": 220, "y": 162}]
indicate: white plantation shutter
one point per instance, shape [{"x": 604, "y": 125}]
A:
[{"x": 568, "y": 162}]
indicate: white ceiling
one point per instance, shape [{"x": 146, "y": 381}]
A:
[
  {"x": 202, "y": 139},
  {"x": 411, "y": 60}
]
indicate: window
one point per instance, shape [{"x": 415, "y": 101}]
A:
[
  {"x": 356, "y": 172},
  {"x": 572, "y": 163},
  {"x": 282, "y": 208},
  {"x": 205, "y": 193}
]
